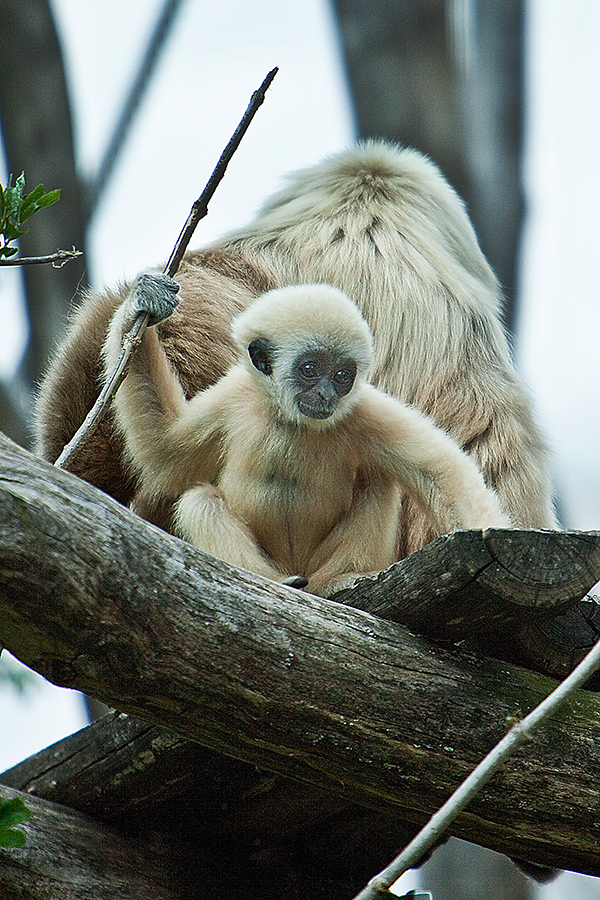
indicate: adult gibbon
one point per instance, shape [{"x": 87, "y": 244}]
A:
[
  {"x": 290, "y": 465},
  {"x": 383, "y": 225}
]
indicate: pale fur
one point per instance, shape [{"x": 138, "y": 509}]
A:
[
  {"x": 284, "y": 494},
  {"x": 382, "y": 224}
]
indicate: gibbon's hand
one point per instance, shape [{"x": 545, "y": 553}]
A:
[{"x": 153, "y": 293}]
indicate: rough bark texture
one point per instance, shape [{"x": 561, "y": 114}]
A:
[
  {"x": 483, "y": 583},
  {"x": 289, "y": 839},
  {"x": 72, "y": 857},
  {"x": 304, "y": 687}
]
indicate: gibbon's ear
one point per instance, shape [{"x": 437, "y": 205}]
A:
[{"x": 261, "y": 352}]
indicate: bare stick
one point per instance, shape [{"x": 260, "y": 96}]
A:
[
  {"x": 519, "y": 734},
  {"x": 58, "y": 259},
  {"x": 134, "y": 336}
]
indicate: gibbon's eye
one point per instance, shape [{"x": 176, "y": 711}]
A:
[
  {"x": 344, "y": 379},
  {"x": 310, "y": 370}
]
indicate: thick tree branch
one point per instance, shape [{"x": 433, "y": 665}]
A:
[
  {"x": 288, "y": 839},
  {"x": 96, "y": 599},
  {"x": 73, "y": 857}
]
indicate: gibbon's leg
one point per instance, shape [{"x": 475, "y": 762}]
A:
[
  {"x": 203, "y": 518},
  {"x": 365, "y": 541}
]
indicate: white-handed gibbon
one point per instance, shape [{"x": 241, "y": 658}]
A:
[
  {"x": 383, "y": 225},
  {"x": 290, "y": 465}
]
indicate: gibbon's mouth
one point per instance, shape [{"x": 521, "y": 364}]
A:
[{"x": 316, "y": 411}]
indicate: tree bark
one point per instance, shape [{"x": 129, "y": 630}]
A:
[
  {"x": 123, "y": 771},
  {"x": 98, "y": 600},
  {"x": 69, "y": 856},
  {"x": 287, "y": 838},
  {"x": 483, "y": 583}
]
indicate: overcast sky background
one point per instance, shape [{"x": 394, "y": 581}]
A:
[{"x": 217, "y": 55}]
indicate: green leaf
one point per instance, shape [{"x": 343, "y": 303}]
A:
[
  {"x": 15, "y": 199},
  {"x": 16, "y": 206},
  {"x": 37, "y": 200},
  {"x": 49, "y": 199},
  {"x": 13, "y": 812},
  {"x": 11, "y": 233},
  {"x": 12, "y": 837}
]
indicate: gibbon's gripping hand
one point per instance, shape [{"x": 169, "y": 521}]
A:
[{"x": 153, "y": 293}]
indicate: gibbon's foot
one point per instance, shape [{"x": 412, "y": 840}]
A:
[
  {"x": 154, "y": 293},
  {"x": 296, "y": 581}
]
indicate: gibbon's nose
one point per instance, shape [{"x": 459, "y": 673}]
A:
[{"x": 325, "y": 390}]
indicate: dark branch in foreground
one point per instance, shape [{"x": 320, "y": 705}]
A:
[{"x": 72, "y": 857}]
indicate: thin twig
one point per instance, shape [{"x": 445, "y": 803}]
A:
[
  {"x": 519, "y": 734},
  {"x": 60, "y": 257},
  {"x": 200, "y": 207},
  {"x": 134, "y": 336}
]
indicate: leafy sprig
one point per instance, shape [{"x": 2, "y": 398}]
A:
[
  {"x": 16, "y": 207},
  {"x": 13, "y": 812}
]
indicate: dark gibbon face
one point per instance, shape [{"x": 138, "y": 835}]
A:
[{"x": 319, "y": 376}]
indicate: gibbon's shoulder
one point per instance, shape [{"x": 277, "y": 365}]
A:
[{"x": 384, "y": 416}]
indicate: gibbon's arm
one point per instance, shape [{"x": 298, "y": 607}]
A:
[
  {"x": 171, "y": 443},
  {"x": 407, "y": 446}
]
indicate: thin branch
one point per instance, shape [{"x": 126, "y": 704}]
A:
[
  {"x": 200, "y": 208},
  {"x": 134, "y": 336},
  {"x": 58, "y": 259},
  {"x": 519, "y": 734}
]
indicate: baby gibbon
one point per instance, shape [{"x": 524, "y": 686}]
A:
[{"x": 291, "y": 464}]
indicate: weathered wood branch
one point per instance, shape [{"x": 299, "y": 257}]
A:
[
  {"x": 307, "y": 688},
  {"x": 513, "y": 596},
  {"x": 477, "y": 583},
  {"x": 72, "y": 856},
  {"x": 123, "y": 771},
  {"x": 288, "y": 839}
]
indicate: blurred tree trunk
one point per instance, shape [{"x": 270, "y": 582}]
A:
[
  {"x": 445, "y": 76},
  {"x": 37, "y": 134},
  {"x": 38, "y": 139}
]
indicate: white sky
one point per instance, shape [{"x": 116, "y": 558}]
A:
[{"x": 218, "y": 54}]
